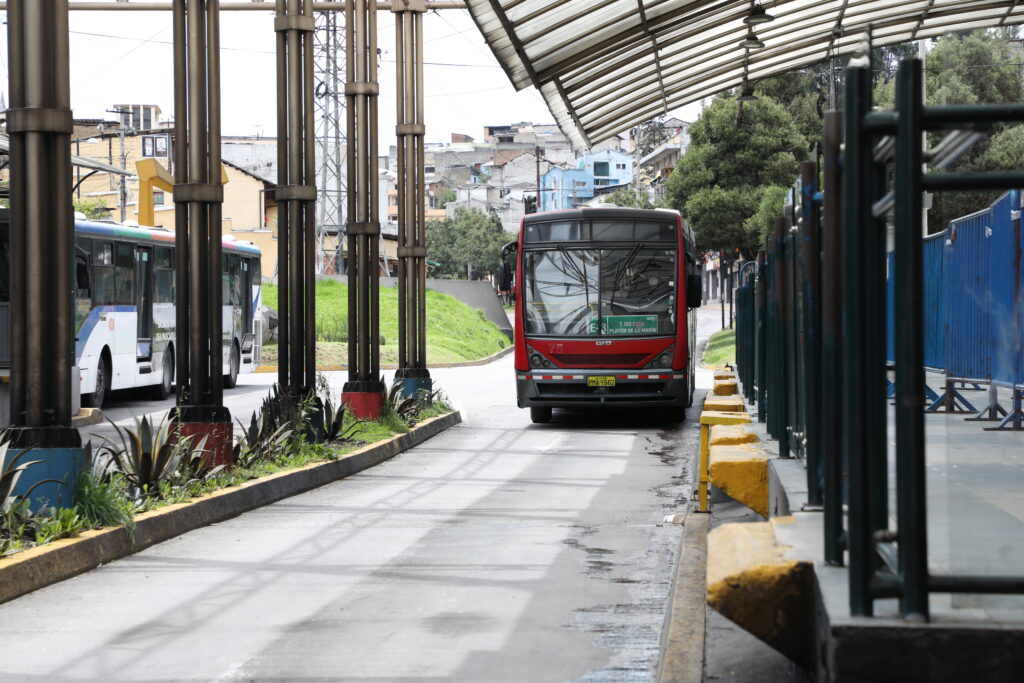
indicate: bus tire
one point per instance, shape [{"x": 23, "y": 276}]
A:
[
  {"x": 99, "y": 395},
  {"x": 540, "y": 414},
  {"x": 162, "y": 390},
  {"x": 231, "y": 379}
]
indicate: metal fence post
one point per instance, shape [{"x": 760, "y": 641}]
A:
[
  {"x": 910, "y": 441},
  {"x": 831, "y": 401},
  {"x": 810, "y": 253},
  {"x": 761, "y": 333}
]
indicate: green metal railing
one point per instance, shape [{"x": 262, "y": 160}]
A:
[{"x": 811, "y": 335}]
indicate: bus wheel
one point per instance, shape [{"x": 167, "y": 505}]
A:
[
  {"x": 163, "y": 390},
  {"x": 231, "y": 379},
  {"x": 540, "y": 414},
  {"x": 96, "y": 398}
]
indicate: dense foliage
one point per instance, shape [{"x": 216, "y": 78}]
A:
[
  {"x": 468, "y": 244},
  {"x": 735, "y": 153}
]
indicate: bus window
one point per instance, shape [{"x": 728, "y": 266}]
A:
[
  {"x": 231, "y": 277},
  {"x": 103, "y": 254},
  {"x": 82, "y": 277},
  {"x": 104, "y": 287},
  {"x": 163, "y": 276},
  {"x": 124, "y": 267}
]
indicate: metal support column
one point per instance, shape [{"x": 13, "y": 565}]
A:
[
  {"x": 412, "y": 371},
  {"x": 198, "y": 198},
  {"x": 810, "y": 265},
  {"x": 296, "y": 196},
  {"x": 909, "y": 316},
  {"x": 363, "y": 392},
  {"x": 41, "y": 248}
]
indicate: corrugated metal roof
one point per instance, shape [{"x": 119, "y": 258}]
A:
[{"x": 603, "y": 66}]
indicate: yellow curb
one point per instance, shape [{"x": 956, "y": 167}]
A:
[
  {"x": 751, "y": 583},
  {"x": 724, "y": 403},
  {"x": 741, "y": 472},
  {"x": 731, "y": 435},
  {"x": 724, "y": 374},
  {"x": 724, "y": 417},
  {"x": 726, "y": 387}
]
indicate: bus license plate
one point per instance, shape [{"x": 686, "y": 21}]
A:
[{"x": 600, "y": 381}]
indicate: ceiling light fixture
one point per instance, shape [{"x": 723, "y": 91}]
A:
[
  {"x": 757, "y": 16},
  {"x": 747, "y": 93},
  {"x": 752, "y": 42}
]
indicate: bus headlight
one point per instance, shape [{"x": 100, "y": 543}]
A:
[
  {"x": 665, "y": 360},
  {"x": 535, "y": 360},
  {"x": 547, "y": 363}
]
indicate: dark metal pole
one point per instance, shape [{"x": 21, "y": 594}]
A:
[
  {"x": 831, "y": 340},
  {"x": 215, "y": 251},
  {"x": 295, "y": 222},
  {"x": 309, "y": 204},
  {"x": 909, "y": 281},
  {"x": 182, "y": 277},
  {"x": 810, "y": 252},
  {"x": 857, "y": 208},
  {"x": 283, "y": 272},
  {"x": 761, "y": 329}
]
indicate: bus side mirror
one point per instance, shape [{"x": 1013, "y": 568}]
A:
[
  {"x": 694, "y": 285},
  {"x": 509, "y": 248}
]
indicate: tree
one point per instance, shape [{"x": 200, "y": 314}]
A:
[
  {"x": 734, "y": 154},
  {"x": 650, "y": 134},
  {"x": 94, "y": 209},
  {"x": 469, "y": 240},
  {"x": 628, "y": 197},
  {"x": 980, "y": 67}
]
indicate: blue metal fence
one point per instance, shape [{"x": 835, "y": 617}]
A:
[{"x": 973, "y": 296}]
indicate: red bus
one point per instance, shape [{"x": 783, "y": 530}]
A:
[{"x": 604, "y": 310}]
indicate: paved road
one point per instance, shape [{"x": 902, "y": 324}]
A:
[{"x": 497, "y": 551}]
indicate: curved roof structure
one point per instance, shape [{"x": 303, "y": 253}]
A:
[{"x": 606, "y": 65}]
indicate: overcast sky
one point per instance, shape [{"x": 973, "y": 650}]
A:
[{"x": 125, "y": 58}]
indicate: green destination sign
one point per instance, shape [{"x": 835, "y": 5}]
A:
[{"x": 625, "y": 324}]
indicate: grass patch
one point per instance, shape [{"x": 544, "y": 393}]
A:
[
  {"x": 721, "y": 348},
  {"x": 455, "y": 332}
]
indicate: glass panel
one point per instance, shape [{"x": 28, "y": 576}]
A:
[
  {"x": 561, "y": 291},
  {"x": 103, "y": 254},
  {"x": 638, "y": 291},
  {"x": 613, "y": 230},
  {"x": 556, "y": 231},
  {"x": 164, "y": 286}
]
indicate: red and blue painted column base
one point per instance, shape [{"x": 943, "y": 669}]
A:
[
  {"x": 414, "y": 382},
  {"x": 210, "y": 429},
  {"x": 365, "y": 399},
  {"x": 58, "y": 460}
]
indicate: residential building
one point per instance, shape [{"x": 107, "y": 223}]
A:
[
  {"x": 657, "y": 166},
  {"x": 565, "y": 188},
  {"x": 608, "y": 168},
  {"x": 489, "y": 200}
]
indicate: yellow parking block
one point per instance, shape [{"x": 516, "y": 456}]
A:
[
  {"x": 752, "y": 583},
  {"x": 731, "y": 435},
  {"x": 707, "y": 419},
  {"x": 726, "y": 387},
  {"x": 741, "y": 472},
  {"x": 724, "y": 403}
]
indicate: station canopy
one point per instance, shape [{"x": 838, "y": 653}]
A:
[{"x": 603, "y": 66}]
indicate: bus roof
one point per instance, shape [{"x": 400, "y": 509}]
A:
[
  {"x": 150, "y": 234},
  {"x": 603, "y": 212}
]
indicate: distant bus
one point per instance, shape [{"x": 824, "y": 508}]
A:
[
  {"x": 603, "y": 310},
  {"x": 125, "y": 308}
]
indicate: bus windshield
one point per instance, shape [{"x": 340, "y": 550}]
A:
[{"x": 587, "y": 292}]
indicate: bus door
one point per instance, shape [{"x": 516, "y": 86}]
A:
[
  {"x": 144, "y": 302},
  {"x": 245, "y": 294}
]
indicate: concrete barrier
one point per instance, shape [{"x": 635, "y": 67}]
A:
[{"x": 741, "y": 472}]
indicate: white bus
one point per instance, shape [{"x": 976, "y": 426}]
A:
[{"x": 125, "y": 308}]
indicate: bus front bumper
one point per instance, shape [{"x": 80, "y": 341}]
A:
[{"x": 575, "y": 388}]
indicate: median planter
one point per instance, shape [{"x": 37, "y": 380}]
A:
[{"x": 35, "y": 568}]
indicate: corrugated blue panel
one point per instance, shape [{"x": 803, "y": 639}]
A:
[
  {"x": 1006, "y": 287},
  {"x": 934, "y": 297},
  {"x": 967, "y": 296}
]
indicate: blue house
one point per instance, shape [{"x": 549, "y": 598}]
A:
[
  {"x": 610, "y": 167},
  {"x": 565, "y": 188}
]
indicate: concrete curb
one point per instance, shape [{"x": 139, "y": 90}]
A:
[
  {"x": 35, "y": 568},
  {"x": 87, "y": 417},
  {"x": 391, "y": 366},
  {"x": 683, "y": 651}
]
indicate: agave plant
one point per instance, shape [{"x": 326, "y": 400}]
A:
[
  {"x": 405, "y": 407},
  {"x": 258, "y": 443},
  {"x": 145, "y": 456}
]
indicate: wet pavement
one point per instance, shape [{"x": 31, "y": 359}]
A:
[{"x": 497, "y": 551}]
